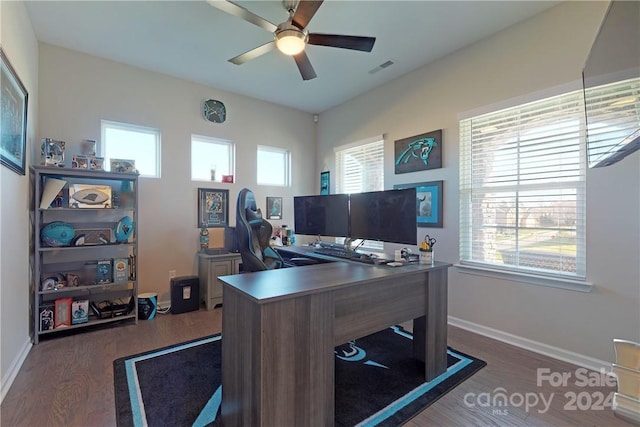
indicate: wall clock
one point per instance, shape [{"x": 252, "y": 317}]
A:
[{"x": 214, "y": 111}]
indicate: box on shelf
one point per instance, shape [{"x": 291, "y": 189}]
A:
[
  {"x": 89, "y": 196},
  {"x": 96, "y": 163},
  {"x": 80, "y": 162},
  {"x": 88, "y": 147},
  {"x": 46, "y": 317},
  {"x": 120, "y": 270},
  {"x": 80, "y": 311},
  {"x": 123, "y": 165},
  {"x": 104, "y": 271},
  {"x": 94, "y": 236},
  {"x": 52, "y": 152},
  {"x": 62, "y": 312}
]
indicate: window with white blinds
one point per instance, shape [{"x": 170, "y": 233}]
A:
[
  {"x": 360, "y": 168},
  {"x": 613, "y": 119},
  {"x": 522, "y": 188}
]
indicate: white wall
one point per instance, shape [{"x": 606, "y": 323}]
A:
[
  {"x": 21, "y": 47},
  {"x": 78, "y": 90},
  {"x": 543, "y": 52}
]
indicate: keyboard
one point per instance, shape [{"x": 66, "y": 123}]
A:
[{"x": 341, "y": 253}]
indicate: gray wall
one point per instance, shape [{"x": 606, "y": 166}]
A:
[
  {"x": 78, "y": 90},
  {"x": 541, "y": 53}
]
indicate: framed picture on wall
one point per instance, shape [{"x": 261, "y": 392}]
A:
[
  {"x": 324, "y": 183},
  {"x": 13, "y": 125},
  {"x": 213, "y": 207},
  {"x": 428, "y": 203},
  {"x": 419, "y": 152},
  {"x": 274, "y": 207}
]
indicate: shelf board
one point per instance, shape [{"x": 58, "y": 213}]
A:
[
  {"x": 86, "y": 209},
  {"x": 66, "y": 248},
  {"x": 89, "y": 323},
  {"x": 85, "y": 287}
]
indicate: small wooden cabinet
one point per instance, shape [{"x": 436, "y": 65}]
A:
[{"x": 210, "y": 267}]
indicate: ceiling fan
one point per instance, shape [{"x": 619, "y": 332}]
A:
[{"x": 291, "y": 36}]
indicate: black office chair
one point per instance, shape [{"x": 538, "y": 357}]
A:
[{"x": 254, "y": 235}]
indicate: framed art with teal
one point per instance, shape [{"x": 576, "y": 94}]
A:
[
  {"x": 274, "y": 207},
  {"x": 428, "y": 202},
  {"x": 324, "y": 183},
  {"x": 13, "y": 120},
  {"x": 213, "y": 207},
  {"x": 419, "y": 152}
]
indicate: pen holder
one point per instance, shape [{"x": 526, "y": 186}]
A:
[{"x": 427, "y": 257}]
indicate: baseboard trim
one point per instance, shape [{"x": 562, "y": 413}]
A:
[
  {"x": 535, "y": 346},
  {"x": 11, "y": 374}
]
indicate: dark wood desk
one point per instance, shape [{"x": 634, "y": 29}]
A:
[{"x": 280, "y": 328}]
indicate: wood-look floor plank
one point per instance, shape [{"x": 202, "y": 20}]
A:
[{"x": 68, "y": 381}]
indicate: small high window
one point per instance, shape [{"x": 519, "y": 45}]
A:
[
  {"x": 132, "y": 142},
  {"x": 211, "y": 158},
  {"x": 274, "y": 166}
]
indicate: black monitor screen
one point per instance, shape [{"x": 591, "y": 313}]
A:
[
  {"x": 388, "y": 216},
  {"x": 322, "y": 215}
]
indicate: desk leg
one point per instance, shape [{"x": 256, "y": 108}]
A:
[
  {"x": 277, "y": 361},
  {"x": 430, "y": 331}
]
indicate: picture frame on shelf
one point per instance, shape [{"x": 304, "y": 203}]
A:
[
  {"x": 52, "y": 152},
  {"x": 429, "y": 203},
  {"x": 325, "y": 183},
  {"x": 122, "y": 166},
  {"x": 213, "y": 207},
  {"x": 13, "y": 126},
  {"x": 274, "y": 207}
]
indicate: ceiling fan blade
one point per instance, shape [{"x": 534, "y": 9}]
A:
[
  {"x": 239, "y": 11},
  {"x": 253, "y": 53},
  {"x": 304, "y": 12},
  {"x": 304, "y": 65},
  {"x": 364, "y": 44}
]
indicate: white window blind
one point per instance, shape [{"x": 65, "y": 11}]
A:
[
  {"x": 613, "y": 112},
  {"x": 522, "y": 188},
  {"x": 360, "y": 168}
]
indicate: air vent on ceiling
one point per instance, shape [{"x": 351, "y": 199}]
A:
[{"x": 381, "y": 67}]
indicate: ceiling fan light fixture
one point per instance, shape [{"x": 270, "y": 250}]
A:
[{"x": 291, "y": 41}]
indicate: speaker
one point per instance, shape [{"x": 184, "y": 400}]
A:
[{"x": 185, "y": 294}]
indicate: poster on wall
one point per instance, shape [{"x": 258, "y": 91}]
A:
[
  {"x": 419, "y": 152},
  {"x": 13, "y": 118},
  {"x": 428, "y": 203}
]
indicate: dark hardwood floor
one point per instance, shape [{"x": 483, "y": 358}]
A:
[{"x": 68, "y": 381}]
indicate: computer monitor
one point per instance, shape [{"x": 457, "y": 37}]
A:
[
  {"x": 322, "y": 215},
  {"x": 388, "y": 216}
]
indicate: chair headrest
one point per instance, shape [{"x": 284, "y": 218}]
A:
[{"x": 254, "y": 217}]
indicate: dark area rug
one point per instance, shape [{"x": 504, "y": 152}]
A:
[{"x": 377, "y": 382}]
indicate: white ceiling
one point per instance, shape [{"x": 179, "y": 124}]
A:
[{"x": 193, "y": 40}]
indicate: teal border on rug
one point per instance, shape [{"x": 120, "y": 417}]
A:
[{"x": 210, "y": 410}]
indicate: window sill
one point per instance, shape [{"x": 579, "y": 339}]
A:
[{"x": 532, "y": 279}]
